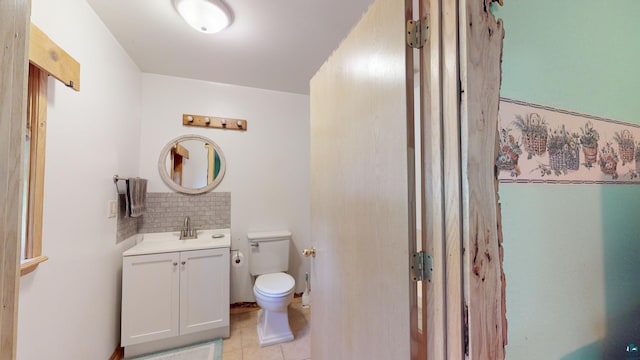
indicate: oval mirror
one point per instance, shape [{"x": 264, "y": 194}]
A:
[{"x": 191, "y": 164}]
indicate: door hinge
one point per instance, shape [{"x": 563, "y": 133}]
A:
[
  {"x": 422, "y": 266},
  {"x": 417, "y": 32}
]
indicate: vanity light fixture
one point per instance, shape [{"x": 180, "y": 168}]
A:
[{"x": 207, "y": 16}]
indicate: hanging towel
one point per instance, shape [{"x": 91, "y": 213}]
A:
[{"x": 136, "y": 198}]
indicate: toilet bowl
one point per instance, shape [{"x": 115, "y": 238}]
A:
[
  {"x": 274, "y": 293},
  {"x": 273, "y": 288}
]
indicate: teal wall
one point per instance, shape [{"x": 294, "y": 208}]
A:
[{"x": 572, "y": 253}]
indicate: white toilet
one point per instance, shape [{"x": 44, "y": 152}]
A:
[{"x": 273, "y": 288}]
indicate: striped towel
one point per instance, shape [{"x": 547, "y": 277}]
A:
[{"x": 136, "y": 198}]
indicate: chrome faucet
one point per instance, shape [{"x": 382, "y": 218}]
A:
[{"x": 187, "y": 231}]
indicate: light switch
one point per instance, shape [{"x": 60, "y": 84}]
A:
[{"x": 112, "y": 208}]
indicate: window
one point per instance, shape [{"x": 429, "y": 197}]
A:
[
  {"x": 45, "y": 58},
  {"x": 34, "y": 156}
]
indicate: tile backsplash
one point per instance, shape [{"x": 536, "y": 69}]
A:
[{"x": 166, "y": 212}]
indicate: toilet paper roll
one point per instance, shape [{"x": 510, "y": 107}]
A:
[{"x": 237, "y": 259}]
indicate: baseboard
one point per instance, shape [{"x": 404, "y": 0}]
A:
[
  {"x": 244, "y": 307},
  {"x": 118, "y": 354}
]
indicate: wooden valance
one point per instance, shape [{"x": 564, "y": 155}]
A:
[{"x": 48, "y": 56}]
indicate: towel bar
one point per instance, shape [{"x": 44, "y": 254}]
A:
[{"x": 117, "y": 178}]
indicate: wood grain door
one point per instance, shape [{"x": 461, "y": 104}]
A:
[{"x": 361, "y": 192}]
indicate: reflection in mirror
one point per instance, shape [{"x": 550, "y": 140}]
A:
[
  {"x": 191, "y": 164},
  {"x": 185, "y": 161}
]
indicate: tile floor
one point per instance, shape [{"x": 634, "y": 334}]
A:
[{"x": 243, "y": 342}]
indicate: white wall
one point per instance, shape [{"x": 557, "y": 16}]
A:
[
  {"x": 69, "y": 306},
  {"x": 267, "y": 166}
]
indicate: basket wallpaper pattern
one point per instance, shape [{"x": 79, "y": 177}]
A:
[
  {"x": 535, "y": 144},
  {"x": 564, "y": 160},
  {"x": 541, "y": 144}
]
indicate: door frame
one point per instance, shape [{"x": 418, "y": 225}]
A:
[
  {"x": 481, "y": 40},
  {"x": 14, "y": 65},
  {"x": 464, "y": 303}
]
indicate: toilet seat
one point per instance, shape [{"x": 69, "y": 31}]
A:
[{"x": 276, "y": 284}]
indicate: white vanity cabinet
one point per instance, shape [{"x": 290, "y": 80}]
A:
[
  {"x": 150, "y": 297},
  {"x": 204, "y": 290},
  {"x": 173, "y": 298}
]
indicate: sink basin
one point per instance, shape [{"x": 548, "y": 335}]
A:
[{"x": 156, "y": 243}]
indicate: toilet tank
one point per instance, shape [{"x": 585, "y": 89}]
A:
[{"x": 269, "y": 251}]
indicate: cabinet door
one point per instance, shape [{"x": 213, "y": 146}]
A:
[
  {"x": 204, "y": 290},
  {"x": 150, "y": 299}
]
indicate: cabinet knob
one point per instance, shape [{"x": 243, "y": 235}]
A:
[
  {"x": 184, "y": 263},
  {"x": 175, "y": 264}
]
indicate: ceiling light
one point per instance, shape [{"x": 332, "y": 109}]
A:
[{"x": 207, "y": 16}]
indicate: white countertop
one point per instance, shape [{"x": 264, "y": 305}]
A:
[{"x": 156, "y": 243}]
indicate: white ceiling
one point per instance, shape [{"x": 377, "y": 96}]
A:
[{"x": 275, "y": 44}]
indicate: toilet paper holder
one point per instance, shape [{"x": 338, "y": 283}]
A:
[{"x": 236, "y": 258}]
